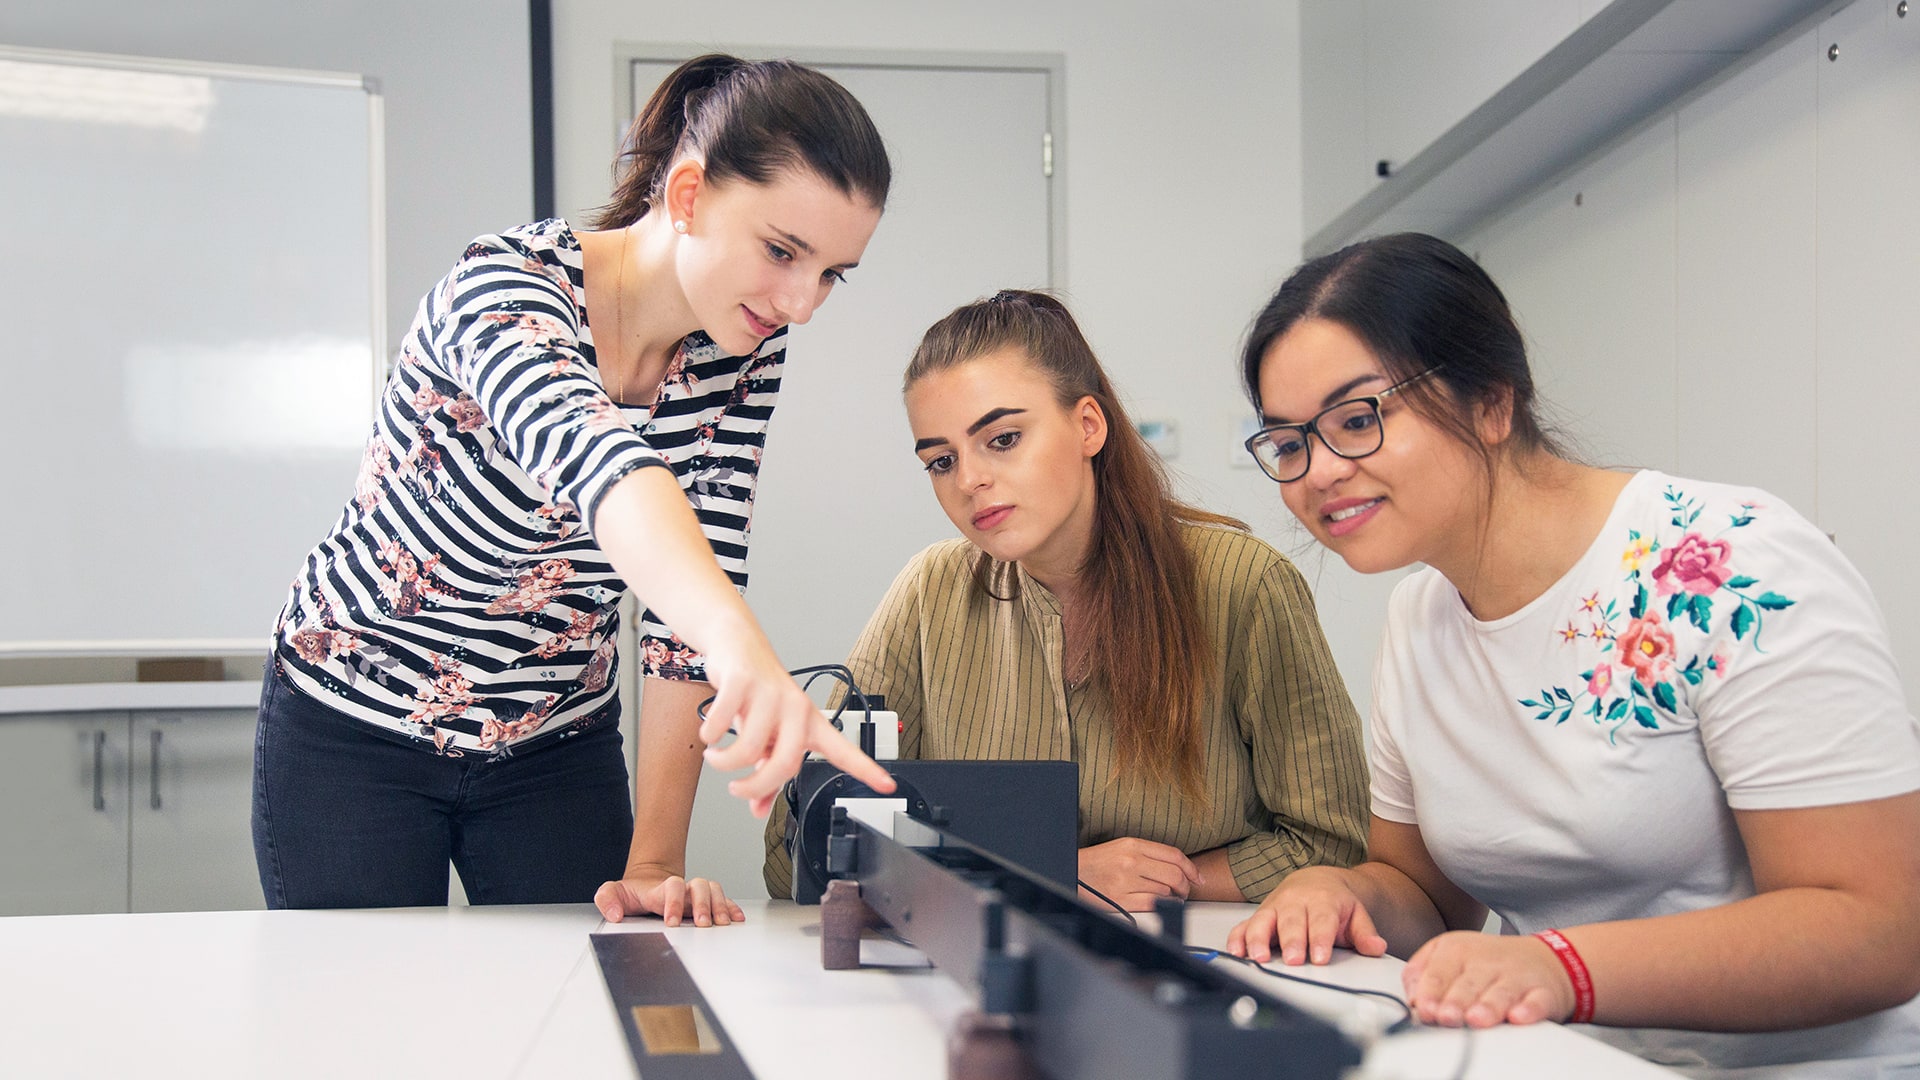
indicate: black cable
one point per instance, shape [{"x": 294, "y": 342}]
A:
[
  {"x": 1402, "y": 1024},
  {"x": 1107, "y": 900},
  {"x": 1466, "y": 1055},
  {"x": 814, "y": 671}
]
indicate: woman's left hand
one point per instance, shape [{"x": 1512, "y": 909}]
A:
[
  {"x": 1478, "y": 980},
  {"x": 669, "y": 896}
]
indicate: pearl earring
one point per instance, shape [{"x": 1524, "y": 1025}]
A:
[{"x": 680, "y": 227}]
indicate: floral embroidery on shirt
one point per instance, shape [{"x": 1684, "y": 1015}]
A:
[{"x": 1639, "y": 671}]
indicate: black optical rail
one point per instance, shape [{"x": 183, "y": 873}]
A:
[{"x": 1092, "y": 997}]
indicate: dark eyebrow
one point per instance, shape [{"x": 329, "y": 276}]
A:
[
  {"x": 1338, "y": 395},
  {"x": 806, "y": 247},
  {"x": 992, "y": 415}
]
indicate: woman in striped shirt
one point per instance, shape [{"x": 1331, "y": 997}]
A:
[
  {"x": 1088, "y": 615},
  {"x": 572, "y": 413}
]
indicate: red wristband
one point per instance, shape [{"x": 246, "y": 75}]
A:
[{"x": 1576, "y": 971}]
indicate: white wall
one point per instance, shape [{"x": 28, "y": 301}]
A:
[
  {"x": 454, "y": 74},
  {"x": 1182, "y": 141}
]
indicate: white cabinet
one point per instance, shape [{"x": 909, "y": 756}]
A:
[
  {"x": 1743, "y": 250},
  {"x": 63, "y": 813},
  {"x": 191, "y": 843},
  {"x": 1867, "y": 304},
  {"x": 124, "y": 810},
  {"x": 1382, "y": 79}
]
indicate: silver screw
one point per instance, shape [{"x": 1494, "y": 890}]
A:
[
  {"x": 1833, "y": 51},
  {"x": 1901, "y": 10}
]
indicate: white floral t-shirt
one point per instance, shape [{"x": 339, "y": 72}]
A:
[{"x": 1579, "y": 760}]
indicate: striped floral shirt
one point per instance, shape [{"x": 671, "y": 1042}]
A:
[
  {"x": 977, "y": 678},
  {"x": 461, "y": 599}
]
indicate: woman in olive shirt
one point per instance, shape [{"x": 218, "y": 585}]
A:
[{"x": 1088, "y": 615}]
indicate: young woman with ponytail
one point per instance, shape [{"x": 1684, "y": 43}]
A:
[
  {"x": 1088, "y": 615},
  {"x": 574, "y": 412}
]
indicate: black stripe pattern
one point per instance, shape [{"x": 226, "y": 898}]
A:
[{"x": 461, "y": 599}]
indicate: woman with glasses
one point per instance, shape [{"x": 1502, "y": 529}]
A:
[
  {"x": 1086, "y": 615},
  {"x": 1653, "y": 723}
]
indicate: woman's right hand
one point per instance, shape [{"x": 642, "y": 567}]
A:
[
  {"x": 1307, "y": 915},
  {"x": 774, "y": 721}
]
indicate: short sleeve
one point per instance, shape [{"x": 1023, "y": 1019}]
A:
[
  {"x": 509, "y": 333},
  {"x": 1785, "y": 658},
  {"x": 885, "y": 660},
  {"x": 1392, "y": 783}
]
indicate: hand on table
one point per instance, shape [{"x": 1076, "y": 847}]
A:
[
  {"x": 1133, "y": 872},
  {"x": 776, "y": 724},
  {"x": 670, "y": 896},
  {"x": 1479, "y": 980},
  {"x": 1308, "y": 914}
]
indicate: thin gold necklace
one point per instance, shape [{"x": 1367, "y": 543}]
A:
[{"x": 619, "y": 317}]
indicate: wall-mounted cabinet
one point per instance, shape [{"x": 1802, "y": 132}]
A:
[{"x": 1471, "y": 104}]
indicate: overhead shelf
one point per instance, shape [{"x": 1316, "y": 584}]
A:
[{"x": 1626, "y": 63}]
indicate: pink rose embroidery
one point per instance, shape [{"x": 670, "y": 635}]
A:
[
  {"x": 426, "y": 399},
  {"x": 1647, "y": 648},
  {"x": 1600, "y": 680},
  {"x": 1695, "y": 564}
]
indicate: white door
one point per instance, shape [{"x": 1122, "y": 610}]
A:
[{"x": 842, "y": 501}]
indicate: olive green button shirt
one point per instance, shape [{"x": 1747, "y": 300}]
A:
[{"x": 976, "y": 678}]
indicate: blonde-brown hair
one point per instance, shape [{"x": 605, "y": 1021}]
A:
[{"x": 1152, "y": 649}]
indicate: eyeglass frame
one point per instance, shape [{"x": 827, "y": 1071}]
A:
[{"x": 1310, "y": 429}]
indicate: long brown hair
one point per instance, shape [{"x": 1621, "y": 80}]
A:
[
  {"x": 747, "y": 120},
  {"x": 1152, "y": 649}
]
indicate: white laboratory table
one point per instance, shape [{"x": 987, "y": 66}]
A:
[{"x": 516, "y": 992}]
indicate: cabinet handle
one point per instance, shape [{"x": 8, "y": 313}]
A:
[
  {"x": 153, "y": 775},
  {"x": 99, "y": 771}
]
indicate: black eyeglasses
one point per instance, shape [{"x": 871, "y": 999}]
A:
[{"x": 1351, "y": 429}]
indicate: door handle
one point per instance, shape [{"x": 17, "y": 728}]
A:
[
  {"x": 153, "y": 774},
  {"x": 99, "y": 771}
]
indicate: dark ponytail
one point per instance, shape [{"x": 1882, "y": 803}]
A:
[
  {"x": 747, "y": 121},
  {"x": 1140, "y": 583}
]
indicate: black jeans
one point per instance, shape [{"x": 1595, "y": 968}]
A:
[{"x": 346, "y": 814}]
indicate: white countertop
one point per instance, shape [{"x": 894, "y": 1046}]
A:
[
  {"x": 114, "y": 697},
  {"x": 515, "y": 992}
]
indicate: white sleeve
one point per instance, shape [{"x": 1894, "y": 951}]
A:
[{"x": 1798, "y": 699}]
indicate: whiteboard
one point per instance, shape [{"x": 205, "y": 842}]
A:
[{"x": 193, "y": 280}]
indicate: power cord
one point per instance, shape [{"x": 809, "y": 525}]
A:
[
  {"x": 839, "y": 671},
  {"x": 1108, "y": 900},
  {"x": 1398, "y": 1027}
]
